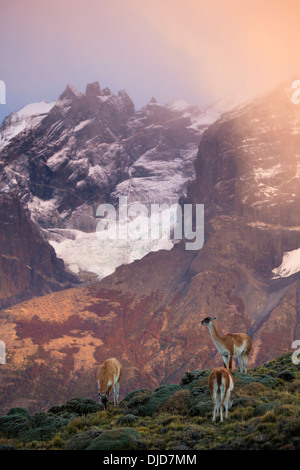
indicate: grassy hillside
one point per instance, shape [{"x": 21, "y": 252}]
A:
[{"x": 265, "y": 415}]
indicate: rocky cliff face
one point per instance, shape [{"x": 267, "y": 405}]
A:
[
  {"x": 248, "y": 162},
  {"x": 149, "y": 313},
  {"x": 28, "y": 264},
  {"x": 67, "y": 157}
]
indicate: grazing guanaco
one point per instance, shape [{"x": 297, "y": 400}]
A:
[
  {"x": 231, "y": 345},
  {"x": 221, "y": 385},
  {"x": 108, "y": 377}
]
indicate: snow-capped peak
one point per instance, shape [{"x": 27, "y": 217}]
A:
[
  {"x": 27, "y": 117},
  {"x": 104, "y": 147},
  {"x": 179, "y": 105},
  {"x": 34, "y": 109}
]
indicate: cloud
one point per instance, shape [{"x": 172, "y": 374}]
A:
[
  {"x": 173, "y": 49},
  {"x": 228, "y": 46}
]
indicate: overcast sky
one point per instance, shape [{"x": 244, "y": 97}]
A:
[{"x": 196, "y": 50}]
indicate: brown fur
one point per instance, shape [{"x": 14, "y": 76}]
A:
[
  {"x": 106, "y": 374},
  {"x": 229, "y": 341},
  {"x": 214, "y": 382}
]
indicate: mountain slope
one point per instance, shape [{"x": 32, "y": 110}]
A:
[
  {"x": 148, "y": 314},
  {"x": 177, "y": 417}
]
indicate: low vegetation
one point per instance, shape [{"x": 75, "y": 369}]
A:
[{"x": 265, "y": 415}]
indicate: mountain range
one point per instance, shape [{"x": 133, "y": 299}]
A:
[
  {"x": 146, "y": 308},
  {"x": 67, "y": 157}
]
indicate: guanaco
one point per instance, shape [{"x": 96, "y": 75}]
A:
[
  {"x": 221, "y": 385},
  {"x": 231, "y": 345},
  {"x": 108, "y": 377}
]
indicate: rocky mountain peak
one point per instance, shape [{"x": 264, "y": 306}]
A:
[
  {"x": 69, "y": 93},
  {"x": 91, "y": 148},
  {"x": 106, "y": 92},
  {"x": 93, "y": 89}
]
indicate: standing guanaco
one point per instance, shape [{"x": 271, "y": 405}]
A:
[
  {"x": 231, "y": 345},
  {"x": 220, "y": 383}
]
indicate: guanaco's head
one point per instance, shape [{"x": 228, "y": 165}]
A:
[
  {"x": 208, "y": 320},
  {"x": 104, "y": 399}
]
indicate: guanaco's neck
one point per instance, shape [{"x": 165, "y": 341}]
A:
[{"x": 214, "y": 334}]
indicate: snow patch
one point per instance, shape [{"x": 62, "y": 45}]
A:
[
  {"x": 85, "y": 252},
  {"x": 27, "y": 117},
  {"x": 82, "y": 125},
  {"x": 179, "y": 105},
  {"x": 262, "y": 173},
  {"x": 290, "y": 265},
  {"x": 101, "y": 252},
  {"x": 33, "y": 109}
]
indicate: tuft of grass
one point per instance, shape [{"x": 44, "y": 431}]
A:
[
  {"x": 269, "y": 417},
  {"x": 57, "y": 443}
]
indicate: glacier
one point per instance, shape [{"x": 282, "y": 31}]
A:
[
  {"x": 84, "y": 149},
  {"x": 290, "y": 264}
]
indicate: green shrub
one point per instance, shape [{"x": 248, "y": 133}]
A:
[
  {"x": 18, "y": 411},
  {"x": 39, "y": 427},
  {"x": 159, "y": 397},
  {"x": 42, "y": 426},
  {"x": 12, "y": 425},
  {"x": 118, "y": 439},
  {"x": 262, "y": 409},
  {"x": 198, "y": 394},
  {"x": 83, "y": 440},
  {"x": 201, "y": 409},
  {"x": 242, "y": 379},
  {"x": 146, "y": 404},
  {"x": 287, "y": 375},
  {"x": 127, "y": 419},
  {"x": 254, "y": 389},
  {"x": 76, "y": 407},
  {"x": 178, "y": 402},
  {"x": 136, "y": 393}
]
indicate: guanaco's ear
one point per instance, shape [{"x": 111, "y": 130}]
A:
[{"x": 214, "y": 318}]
